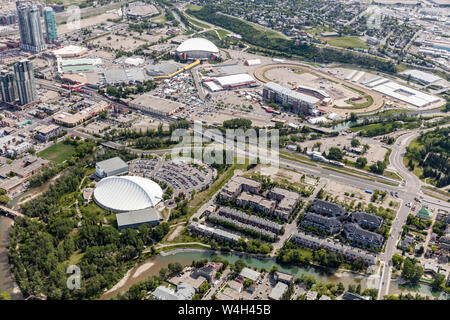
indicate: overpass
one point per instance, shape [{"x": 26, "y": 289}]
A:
[{"x": 10, "y": 213}]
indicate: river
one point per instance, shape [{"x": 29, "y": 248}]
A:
[
  {"x": 154, "y": 264},
  {"x": 7, "y": 283}
]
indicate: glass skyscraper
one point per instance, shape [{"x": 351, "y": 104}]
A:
[
  {"x": 25, "y": 83},
  {"x": 50, "y": 24},
  {"x": 31, "y": 38},
  {"x": 7, "y": 86}
]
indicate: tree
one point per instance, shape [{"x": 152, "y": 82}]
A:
[
  {"x": 361, "y": 162},
  {"x": 353, "y": 117},
  {"x": 239, "y": 265},
  {"x": 335, "y": 154},
  {"x": 163, "y": 273},
  {"x": 175, "y": 268},
  {"x": 355, "y": 142},
  {"x": 411, "y": 271},
  {"x": 397, "y": 260},
  {"x": 378, "y": 167},
  {"x": 438, "y": 281}
]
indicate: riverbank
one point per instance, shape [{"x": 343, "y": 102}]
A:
[
  {"x": 185, "y": 256},
  {"x": 7, "y": 281}
]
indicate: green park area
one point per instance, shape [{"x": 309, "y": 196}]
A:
[
  {"x": 58, "y": 152},
  {"x": 345, "y": 42}
]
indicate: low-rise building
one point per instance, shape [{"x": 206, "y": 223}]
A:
[
  {"x": 355, "y": 233},
  {"x": 46, "y": 133},
  {"x": 366, "y": 220},
  {"x": 250, "y": 219},
  {"x": 328, "y": 208},
  {"x": 278, "y": 291},
  {"x": 213, "y": 232},
  {"x": 259, "y": 203},
  {"x": 288, "y": 200},
  {"x": 327, "y": 224},
  {"x": 349, "y": 253},
  {"x": 283, "y": 277},
  {"x": 247, "y": 273}
]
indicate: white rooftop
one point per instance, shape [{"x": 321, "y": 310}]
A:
[
  {"x": 127, "y": 193},
  {"x": 234, "y": 79},
  {"x": 406, "y": 94},
  {"x": 420, "y": 75},
  {"x": 197, "y": 44}
]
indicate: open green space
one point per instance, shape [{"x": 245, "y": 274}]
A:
[
  {"x": 198, "y": 23},
  {"x": 345, "y": 42},
  {"x": 58, "y": 152}
]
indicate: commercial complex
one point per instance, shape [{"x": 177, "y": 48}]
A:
[
  {"x": 50, "y": 24},
  {"x": 127, "y": 193},
  {"x": 197, "y": 49},
  {"x": 71, "y": 120},
  {"x": 298, "y": 102},
  {"x": 31, "y": 37},
  {"x": 25, "y": 83}
]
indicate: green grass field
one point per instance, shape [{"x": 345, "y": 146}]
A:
[
  {"x": 194, "y": 8},
  {"x": 58, "y": 152},
  {"x": 198, "y": 23},
  {"x": 346, "y": 41},
  {"x": 222, "y": 33}
]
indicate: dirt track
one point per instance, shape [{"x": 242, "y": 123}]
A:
[{"x": 377, "y": 98}]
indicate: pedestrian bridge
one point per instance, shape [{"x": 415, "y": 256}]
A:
[{"x": 10, "y": 213}]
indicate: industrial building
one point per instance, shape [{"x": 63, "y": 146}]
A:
[
  {"x": 127, "y": 193},
  {"x": 405, "y": 94},
  {"x": 424, "y": 77},
  {"x": 230, "y": 82},
  {"x": 197, "y": 49},
  {"x": 299, "y": 102},
  {"x": 111, "y": 167}
]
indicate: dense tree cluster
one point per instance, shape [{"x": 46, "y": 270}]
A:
[{"x": 272, "y": 42}]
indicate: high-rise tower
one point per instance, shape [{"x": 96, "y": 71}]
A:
[
  {"x": 31, "y": 38},
  {"x": 25, "y": 83},
  {"x": 7, "y": 86},
  {"x": 50, "y": 24}
]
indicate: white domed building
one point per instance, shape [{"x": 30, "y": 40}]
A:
[
  {"x": 197, "y": 49},
  {"x": 127, "y": 193}
]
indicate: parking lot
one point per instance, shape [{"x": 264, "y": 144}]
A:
[{"x": 182, "y": 176}]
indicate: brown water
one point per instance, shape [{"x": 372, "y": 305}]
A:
[{"x": 7, "y": 283}]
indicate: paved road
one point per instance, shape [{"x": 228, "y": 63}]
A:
[{"x": 410, "y": 190}]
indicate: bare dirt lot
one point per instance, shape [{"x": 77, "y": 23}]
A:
[{"x": 118, "y": 42}]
